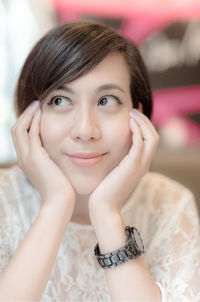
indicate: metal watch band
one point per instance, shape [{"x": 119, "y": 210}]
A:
[{"x": 119, "y": 256}]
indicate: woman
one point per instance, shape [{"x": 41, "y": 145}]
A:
[{"x": 82, "y": 178}]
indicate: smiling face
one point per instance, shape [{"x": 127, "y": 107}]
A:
[{"x": 89, "y": 114}]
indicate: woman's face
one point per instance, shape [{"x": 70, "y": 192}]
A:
[{"x": 89, "y": 114}]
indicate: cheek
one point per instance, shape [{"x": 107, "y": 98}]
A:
[
  {"x": 50, "y": 131},
  {"x": 125, "y": 141},
  {"x": 121, "y": 139}
]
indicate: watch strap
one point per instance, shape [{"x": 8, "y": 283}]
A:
[{"x": 118, "y": 256}]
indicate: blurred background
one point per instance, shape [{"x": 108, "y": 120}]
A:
[{"x": 167, "y": 33}]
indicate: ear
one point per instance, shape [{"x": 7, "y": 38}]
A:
[{"x": 140, "y": 107}]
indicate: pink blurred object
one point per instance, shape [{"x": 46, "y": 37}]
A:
[
  {"x": 130, "y": 8},
  {"x": 140, "y": 18},
  {"x": 178, "y": 102}
]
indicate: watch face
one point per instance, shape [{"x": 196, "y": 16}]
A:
[{"x": 138, "y": 240}]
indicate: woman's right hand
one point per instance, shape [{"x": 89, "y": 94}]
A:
[{"x": 33, "y": 159}]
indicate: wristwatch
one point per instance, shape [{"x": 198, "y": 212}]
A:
[{"x": 133, "y": 248}]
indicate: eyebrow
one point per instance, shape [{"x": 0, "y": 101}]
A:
[{"x": 98, "y": 89}]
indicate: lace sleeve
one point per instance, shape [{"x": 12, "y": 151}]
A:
[
  {"x": 176, "y": 248},
  {"x": 4, "y": 236},
  {"x": 7, "y": 224}
]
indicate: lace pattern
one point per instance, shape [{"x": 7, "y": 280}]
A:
[{"x": 161, "y": 209}]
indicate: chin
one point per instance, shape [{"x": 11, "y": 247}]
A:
[
  {"x": 83, "y": 189},
  {"x": 85, "y": 184}
]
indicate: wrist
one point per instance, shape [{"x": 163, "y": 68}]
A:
[
  {"x": 102, "y": 211},
  {"x": 110, "y": 232},
  {"x": 102, "y": 216},
  {"x": 58, "y": 207}
]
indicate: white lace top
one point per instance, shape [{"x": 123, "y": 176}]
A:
[{"x": 161, "y": 209}]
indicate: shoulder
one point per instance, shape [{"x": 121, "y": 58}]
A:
[
  {"x": 12, "y": 185},
  {"x": 9, "y": 177},
  {"x": 157, "y": 193},
  {"x": 17, "y": 194},
  {"x": 161, "y": 183},
  {"x": 160, "y": 191},
  {"x": 155, "y": 181},
  {"x": 9, "y": 172},
  {"x": 10, "y": 231}
]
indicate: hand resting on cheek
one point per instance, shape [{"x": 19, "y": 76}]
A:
[
  {"x": 33, "y": 159},
  {"x": 114, "y": 190}
]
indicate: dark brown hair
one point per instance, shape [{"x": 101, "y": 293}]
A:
[{"x": 71, "y": 50}]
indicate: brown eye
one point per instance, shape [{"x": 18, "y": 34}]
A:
[
  {"x": 103, "y": 101},
  {"x": 107, "y": 99},
  {"x": 58, "y": 101}
]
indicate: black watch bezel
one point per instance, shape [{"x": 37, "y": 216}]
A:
[{"x": 133, "y": 236}]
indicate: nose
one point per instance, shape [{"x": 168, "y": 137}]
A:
[{"x": 85, "y": 126}]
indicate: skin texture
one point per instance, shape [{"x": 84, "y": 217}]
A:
[{"x": 68, "y": 127}]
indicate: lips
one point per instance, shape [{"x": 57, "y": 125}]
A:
[
  {"x": 86, "y": 155},
  {"x": 86, "y": 159}
]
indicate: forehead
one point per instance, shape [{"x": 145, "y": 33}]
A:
[{"x": 112, "y": 69}]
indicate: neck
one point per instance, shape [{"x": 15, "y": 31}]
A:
[{"x": 81, "y": 211}]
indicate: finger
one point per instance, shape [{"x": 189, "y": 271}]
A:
[
  {"x": 20, "y": 131},
  {"x": 136, "y": 149},
  {"x": 15, "y": 144},
  {"x": 137, "y": 113},
  {"x": 149, "y": 134},
  {"x": 147, "y": 126},
  {"x": 34, "y": 132},
  {"x": 29, "y": 108},
  {"x": 18, "y": 142}
]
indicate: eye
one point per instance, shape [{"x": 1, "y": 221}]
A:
[
  {"x": 108, "y": 98},
  {"x": 58, "y": 101}
]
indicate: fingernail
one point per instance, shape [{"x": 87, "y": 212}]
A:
[
  {"x": 34, "y": 102},
  {"x": 36, "y": 111},
  {"x": 133, "y": 120},
  {"x": 134, "y": 111}
]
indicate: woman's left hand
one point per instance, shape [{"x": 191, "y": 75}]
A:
[{"x": 112, "y": 193}]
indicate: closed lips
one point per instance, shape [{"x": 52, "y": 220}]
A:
[{"x": 86, "y": 155}]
